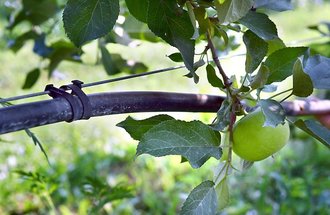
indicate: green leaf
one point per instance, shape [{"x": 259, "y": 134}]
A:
[
  {"x": 108, "y": 64},
  {"x": 193, "y": 140},
  {"x": 201, "y": 201},
  {"x": 37, "y": 142},
  {"x": 97, "y": 188},
  {"x": 212, "y": 77},
  {"x": 40, "y": 47},
  {"x": 137, "y": 128},
  {"x": 62, "y": 50},
  {"x": 35, "y": 11},
  {"x": 31, "y": 78},
  {"x": 223, "y": 116},
  {"x": 193, "y": 20},
  {"x": 256, "y": 50},
  {"x": 232, "y": 10},
  {"x": 320, "y": 48},
  {"x": 273, "y": 111},
  {"x": 316, "y": 130},
  {"x": 260, "y": 24},
  {"x": 139, "y": 30},
  {"x": 176, "y": 57},
  {"x": 260, "y": 79},
  {"x": 85, "y": 20},
  {"x": 222, "y": 191},
  {"x": 318, "y": 68},
  {"x": 278, "y": 5},
  {"x": 20, "y": 41},
  {"x": 173, "y": 25},
  {"x": 118, "y": 64},
  {"x": 202, "y": 19},
  {"x": 302, "y": 83},
  {"x": 246, "y": 164},
  {"x": 274, "y": 45},
  {"x": 139, "y": 9},
  {"x": 280, "y": 63}
]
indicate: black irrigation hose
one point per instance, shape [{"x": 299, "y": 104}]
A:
[{"x": 29, "y": 115}]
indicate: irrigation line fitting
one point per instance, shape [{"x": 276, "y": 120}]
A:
[{"x": 74, "y": 98}]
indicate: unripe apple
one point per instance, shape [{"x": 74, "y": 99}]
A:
[{"x": 254, "y": 142}]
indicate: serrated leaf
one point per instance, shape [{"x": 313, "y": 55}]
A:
[
  {"x": 281, "y": 62},
  {"x": 260, "y": 79},
  {"x": 86, "y": 20},
  {"x": 193, "y": 140},
  {"x": 139, "y": 9},
  {"x": 222, "y": 191},
  {"x": 201, "y": 201},
  {"x": 232, "y": 10},
  {"x": 318, "y": 68},
  {"x": 107, "y": 62},
  {"x": 273, "y": 111},
  {"x": 278, "y": 5},
  {"x": 302, "y": 83},
  {"x": 256, "y": 50},
  {"x": 260, "y": 24},
  {"x": 316, "y": 130},
  {"x": 212, "y": 77},
  {"x": 223, "y": 116},
  {"x": 31, "y": 78},
  {"x": 173, "y": 25},
  {"x": 137, "y": 128},
  {"x": 176, "y": 57}
]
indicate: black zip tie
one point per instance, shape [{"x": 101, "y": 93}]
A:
[{"x": 76, "y": 92}]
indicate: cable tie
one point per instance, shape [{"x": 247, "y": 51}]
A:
[{"x": 76, "y": 95}]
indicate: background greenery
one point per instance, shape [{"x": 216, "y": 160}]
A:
[{"x": 92, "y": 163}]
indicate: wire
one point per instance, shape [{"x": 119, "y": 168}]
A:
[
  {"x": 15, "y": 98},
  {"x": 131, "y": 76},
  {"x": 146, "y": 73}
]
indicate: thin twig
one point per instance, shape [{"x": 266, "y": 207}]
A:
[{"x": 216, "y": 60}]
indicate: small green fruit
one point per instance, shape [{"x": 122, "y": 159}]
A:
[{"x": 253, "y": 142}]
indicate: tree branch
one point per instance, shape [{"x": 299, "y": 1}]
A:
[{"x": 216, "y": 60}]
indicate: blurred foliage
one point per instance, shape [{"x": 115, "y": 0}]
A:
[{"x": 99, "y": 182}]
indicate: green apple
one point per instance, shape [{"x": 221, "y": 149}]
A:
[{"x": 254, "y": 142}]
